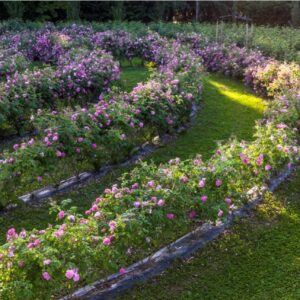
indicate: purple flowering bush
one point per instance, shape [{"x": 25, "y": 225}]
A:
[
  {"x": 11, "y": 61},
  {"x": 119, "y": 43},
  {"x": 231, "y": 60},
  {"x": 79, "y": 76},
  {"x": 265, "y": 76},
  {"x": 127, "y": 45},
  {"x": 46, "y": 46},
  {"x": 83, "y": 71}
]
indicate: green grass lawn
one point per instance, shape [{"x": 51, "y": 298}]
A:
[
  {"x": 228, "y": 108},
  {"x": 130, "y": 75},
  {"x": 258, "y": 258}
]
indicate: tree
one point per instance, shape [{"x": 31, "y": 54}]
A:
[
  {"x": 197, "y": 15},
  {"x": 15, "y": 9},
  {"x": 295, "y": 13},
  {"x": 118, "y": 11},
  {"x": 73, "y": 10}
]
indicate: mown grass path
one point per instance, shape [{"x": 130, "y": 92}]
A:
[{"x": 228, "y": 109}]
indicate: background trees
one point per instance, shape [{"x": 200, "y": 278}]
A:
[{"x": 261, "y": 12}]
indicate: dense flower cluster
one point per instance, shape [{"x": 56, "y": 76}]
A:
[
  {"x": 273, "y": 77},
  {"x": 12, "y": 61},
  {"x": 84, "y": 71},
  {"x": 125, "y": 45},
  {"x": 231, "y": 60},
  {"x": 45, "y": 47},
  {"x": 79, "y": 75},
  {"x": 264, "y": 75}
]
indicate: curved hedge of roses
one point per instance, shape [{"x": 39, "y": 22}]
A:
[
  {"x": 151, "y": 200},
  {"x": 266, "y": 76},
  {"x": 107, "y": 131}
]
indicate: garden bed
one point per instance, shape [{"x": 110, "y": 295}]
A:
[
  {"x": 182, "y": 248},
  {"x": 152, "y": 202}
]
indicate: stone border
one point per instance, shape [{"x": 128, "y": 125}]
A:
[
  {"x": 142, "y": 151},
  {"x": 184, "y": 247}
]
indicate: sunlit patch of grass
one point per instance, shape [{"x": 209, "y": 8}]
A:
[{"x": 234, "y": 94}]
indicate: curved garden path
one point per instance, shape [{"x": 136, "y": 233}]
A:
[{"x": 228, "y": 109}]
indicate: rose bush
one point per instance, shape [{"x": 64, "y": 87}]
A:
[{"x": 79, "y": 75}]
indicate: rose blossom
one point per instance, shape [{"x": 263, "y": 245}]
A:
[
  {"x": 204, "y": 198},
  {"x": 170, "y": 216},
  {"x": 161, "y": 202},
  {"x": 268, "y": 167},
  {"x": 220, "y": 213},
  {"x": 106, "y": 241},
  {"x": 61, "y": 214},
  {"x": 202, "y": 183},
  {"x": 46, "y": 276},
  {"x": 218, "y": 182},
  {"x": 47, "y": 262}
]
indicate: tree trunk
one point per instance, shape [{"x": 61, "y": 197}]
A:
[
  {"x": 118, "y": 11},
  {"x": 295, "y": 13},
  {"x": 197, "y": 15},
  {"x": 73, "y": 10}
]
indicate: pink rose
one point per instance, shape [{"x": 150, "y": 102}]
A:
[
  {"x": 137, "y": 204},
  {"x": 170, "y": 216},
  {"x": 76, "y": 277},
  {"x": 228, "y": 201},
  {"x": 161, "y": 202},
  {"x": 61, "y": 214},
  {"x": 218, "y": 182},
  {"x": 202, "y": 183},
  {"x": 47, "y": 262},
  {"x": 220, "y": 213},
  {"x": 46, "y": 276},
  {"x": 268, "y": 167},
  {"x": 70, "y": 274},
  {"x": 204, "y": 198},
  {"x": 106, "y": 241}
]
